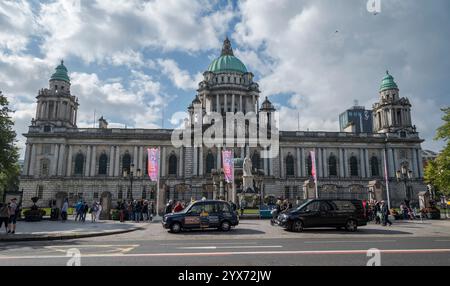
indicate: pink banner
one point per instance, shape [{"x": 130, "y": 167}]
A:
[
  {"x": 313, "y": 166},
  {"x": 153, "y": 163},
  {"x": 228, "y": 165}
]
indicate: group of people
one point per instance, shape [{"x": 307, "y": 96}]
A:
[
  {"x": 281, "y": 206},
  {"x": 137, "y": 210},
  {"x": 8, "y": 215},
  {"x": 175, "y": 206},
  {"x": 82, "y": 209},
  {"x": 379, "y": 212}
]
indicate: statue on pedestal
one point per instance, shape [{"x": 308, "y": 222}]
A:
[{"x": 247, "y": 178}]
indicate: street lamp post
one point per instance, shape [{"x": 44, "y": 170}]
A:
[
  {"x": 403, "y": 175},
  {"x": 131, "y": 176}
]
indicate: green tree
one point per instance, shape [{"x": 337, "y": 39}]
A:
[
  {"x": 437, "y": 172},
  {"x": 9, "y": 168}
]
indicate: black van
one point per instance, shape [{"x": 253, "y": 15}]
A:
[
  {"x": 202, "y": 214},
  {"x": 324, "y": 213}
]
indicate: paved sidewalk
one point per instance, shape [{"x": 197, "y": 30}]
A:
[{"x": 55, "y": 230}]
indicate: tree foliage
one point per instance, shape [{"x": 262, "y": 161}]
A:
[
  {"x": 437, "y": 172},
  {"x": 9, "y": 168}
]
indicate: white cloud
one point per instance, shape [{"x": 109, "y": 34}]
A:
[
  {"x": 180, "y": 78},
  {"x": 17, "y": 24}
]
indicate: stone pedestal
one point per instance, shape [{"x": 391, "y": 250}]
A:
[
  {"x": 309, "y": 190},
  {"x": 376, "y": 191}
]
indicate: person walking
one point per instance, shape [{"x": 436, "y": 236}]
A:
[
  {"x": 12, "y": 216},
  {"x": 64, "y": 209},
  {"x": 145, "y": 214},
  {"x": 130, "y": 211},
  {"x": 78, "y": 210},
  {"x": 93, "y": 211},
  {"x": 4, "y": 216},
  {"x": 99, "y": 210},
  {"x": 122, "y": 211},
  {"x": 169, "y": 207},
  {"x": 137, "y": 209},
  {"x": 242, "y": 205},
  {"x": 85, "y": 211},
  {"x": 385, "y": 214}
]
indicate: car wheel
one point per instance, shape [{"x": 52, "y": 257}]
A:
[
  {"x": 225, "y": 226},
  {"x": 297, "y": 226},
  {"x": 175, "y": 227},
  {"x": 351, "y": 225}
]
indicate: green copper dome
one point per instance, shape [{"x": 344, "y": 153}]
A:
[
  {"x": 388, "y": 82},
  {"x": 61, "y": 73},
  {"x": 227, "y": 62}
]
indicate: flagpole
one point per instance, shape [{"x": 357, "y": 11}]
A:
[
  {"x": 158, "y": 188},
  {"x": 387, "y": 180}
]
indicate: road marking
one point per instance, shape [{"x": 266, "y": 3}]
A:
[
  {"x": 237, "y": 246},
  {"x": 347, "y": 241},
  {"x": 114, "y": 248},
  {"x": 442, "y": 240},
  {"x": 217, "y": 243},
  {"x": 303, "y": 252}
]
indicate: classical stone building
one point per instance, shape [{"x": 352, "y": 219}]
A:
[{"x": 62, "y": 160}]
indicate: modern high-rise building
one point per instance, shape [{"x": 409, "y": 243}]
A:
[{"x": 356, "y": 120}]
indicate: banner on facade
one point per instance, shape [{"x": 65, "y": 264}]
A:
[
  {"x": 228, "y": 165},
  {"x": 314, "y": 170},
  {"x": 153, "y": 163}
]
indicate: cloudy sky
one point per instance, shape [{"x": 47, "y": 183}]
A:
[{"x": 138, "y": 63}]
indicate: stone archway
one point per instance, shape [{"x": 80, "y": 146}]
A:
[{"x": 105, "y": 201}]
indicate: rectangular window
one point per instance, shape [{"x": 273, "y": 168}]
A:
[
  {"x": 287, "y": 192},
  {"x": 120, "y": 193},
  {"x": 40, "y": 193},
  {"x": 95, "y": 195}
]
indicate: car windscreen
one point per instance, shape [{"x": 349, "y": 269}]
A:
[{"x": 301, "y": 206}]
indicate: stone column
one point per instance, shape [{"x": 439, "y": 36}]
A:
[
  {"x": 319, "y": 162},
  {"x": 141, "y": 158},
  {"x": 32, "y": 160},
  {"x": 366, "y": 157},
  {"x": 240, "y": 103},
  {"x": 341, "y": 164},
  {"x": 232, "y": 103},
  {"x": 324, "y": 163},
  {"x": 282, "y": 167},
  {"x": 54, "y": 161},
  {"x": 111, "y": 161},
  {"x": 195, "y": 171},
  {"x": 395, "y": 157},
  {"x": 26, "y": 164},
  {"x": 88, "y": 161},
  {"x": 135, "y": 156},
  {"x": 181, "y": 162},
  {"x": 163, "y": 162},
  {"x": 69, "y": 162},
  {"x": 361, "y": 164},
  {"x": 62, "y": 153},
  {"x": 254, "y": 104},
  {"x": 225, "y": 102},
  {"x": 218, "y": 103},
  {"x": 93, "y": 160},
  {"x": 117, "y": 171},
  {"x": 299, "y": 161},
  {"x": 303, "y": 158},
  {"x": 414, "y": 162},
  {"x": 346, "y": 172},
  {"x": 200, "y": 160},
  {"x": 420, "y": 164},
  {"x": 219, "y": 157}
]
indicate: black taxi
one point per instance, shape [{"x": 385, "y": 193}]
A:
[{"x": 202, "y": 214}]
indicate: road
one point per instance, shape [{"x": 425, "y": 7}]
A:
[{"x": 252, "y": 243}]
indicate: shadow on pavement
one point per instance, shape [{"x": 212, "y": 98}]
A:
[
  {"x": 236, "y": 231},
  {"x": 361, "y": 231}
]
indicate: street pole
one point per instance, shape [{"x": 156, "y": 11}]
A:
[{"x": 158, "y": 181}]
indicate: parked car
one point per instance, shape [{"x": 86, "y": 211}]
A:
[
  {"x": 324, "y": 213},
  {"x": 202, "y": 214}
]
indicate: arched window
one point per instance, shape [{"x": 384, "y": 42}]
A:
[
  {"x": 353, "y": 166},
  {"x": 79, "y": 164},
  {"x": 172, "y": 164},
  {"x": 308, "y": 165},
  {"x": 45, "y": 165},
  {"x": 126, "y": 162},
  {"x": 290, "y": 165},
  {"x": 102, "y": 164},
  {"x": 256, "y": 161},
  {"x": 209, "y": 163},
  {"x": 332, "y": 166},
  {"x": 374, "y": 166}
]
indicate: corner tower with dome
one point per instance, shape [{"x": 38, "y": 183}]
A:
[{"x": 63, "y": 160}]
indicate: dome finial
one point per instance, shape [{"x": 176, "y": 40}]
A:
[
  {"x": 387, "y": 72},
  {"x": 62, "y": 61},
  {"x": 227, "y": 50}
]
